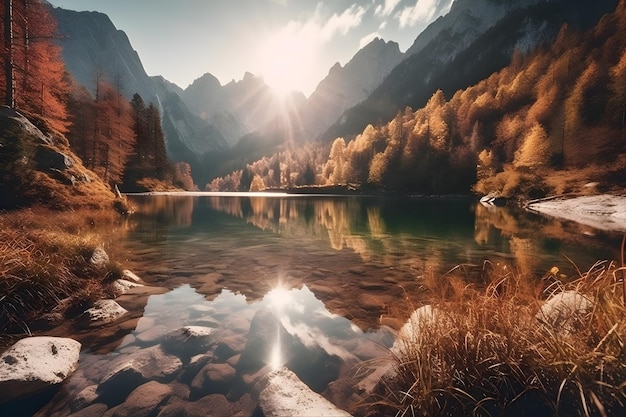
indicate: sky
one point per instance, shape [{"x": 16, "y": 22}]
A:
[{"x": 292, "y": 44}]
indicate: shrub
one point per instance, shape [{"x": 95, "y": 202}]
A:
[
  {"x": 487, "y": 354},
  {"x": 45, "y": 258}
]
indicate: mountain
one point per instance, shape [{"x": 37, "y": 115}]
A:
[
  {"x": 237, "y": 108},
  {"x": 93, "y": 47},
  {"x": 345, "y": 87},
  {"x": 476, "y": 38},
  {"x": 187, "y": 135},
  {"x": 552, "y": 122}
]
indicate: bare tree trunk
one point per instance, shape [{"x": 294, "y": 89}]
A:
[{"x": 8, "y": 42}]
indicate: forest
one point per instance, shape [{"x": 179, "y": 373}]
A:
[
  {"x": 119, "y": 140},
  {"x": 548, "y": 123}
]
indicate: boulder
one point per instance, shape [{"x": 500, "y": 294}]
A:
[
  {"x": 188, "y": 341},
  {"x": 129, "y": 275},
  {"x": 102, "y": 312},
  {"x": 94, "y": 410},
  {"x": 282, "y": 393},
  {"x": 35, "y": 364},
  {"x": 122, "y": 286},
  {"x": 214, "y": 378},
  {"x": 49, "y": 159},
  {"x": 216, "y": 403},
  {"x": 565, "y": 310},
  {"x": 136, "y": 369},
  {"x": 144, "y": 400},
  {"x": 99, "y": 258},
  {"x": 84, "y": 398},
  {"x": 412, "y": 330}
]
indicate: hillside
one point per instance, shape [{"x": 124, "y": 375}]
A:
[
  {"x": 38, "y": 168},
  {"x": 476, "y": 38},
  {"x": 550, "y": 122}
]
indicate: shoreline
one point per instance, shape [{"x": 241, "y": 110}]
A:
[{"x": 605, "y": 212}]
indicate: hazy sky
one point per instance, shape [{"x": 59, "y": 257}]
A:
[{"x": 291, "y": 43}]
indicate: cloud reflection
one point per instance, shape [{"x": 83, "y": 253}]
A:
[{"x": 306, "y": 318}]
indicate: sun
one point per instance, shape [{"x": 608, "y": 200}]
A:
[{"x": 285, "y": 60}]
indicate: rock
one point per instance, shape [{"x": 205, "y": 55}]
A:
[
  {"x": 144, "y": 400},
  {"x": 152, "y": 335},
  {"x": 425, "y": 316},
  {"x": 35, "y": 364},
  {"x": 212, "y": 379},
  {"x": 281, "y": 393},
  {"x": 565, "y": 310},
  {"x": 94, "y": 410},
  {"x": 121, "y": 286},
  {"x": 188, "y": 341},
  {"x": 229, "y": 346},
  {"x": 216, "y": 403},
  {"x": 130, "y": 276},
  {"x": 84, "y": 398},
  {"x": 24, "y": 124},
  {"x": 99, "y": 258},
  {"x": 49, "y": 159},
  {"x": 194, "y": 366},
  {"x": 102, "y": 312},
  {"x": 136, "y": 369}
]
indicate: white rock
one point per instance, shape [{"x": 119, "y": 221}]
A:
[
  {"x": 129, "y": 275},
  {"x": 282, "y": 393},
  {"x": 565, "y": 309},
  {"x": 603, "y": 212},
  {"x": 121, "y": 286},
  {"x": 99, "y": 257},
  {"x": 34, "y": 364},
  {"x": 408, "y": 335},
  {"x": 103, "y": 312}
]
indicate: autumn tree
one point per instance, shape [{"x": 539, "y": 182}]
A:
[
  {"x": 535, "y": 149},
  {"x": 183, "y": 178},
  {"x": 335, "y": 167},
  {"x": 35, "y": 80}
]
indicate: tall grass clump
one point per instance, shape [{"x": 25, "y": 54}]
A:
[
  {"x": 45, "y": 261},
  {"x": 510, "y": 347}
]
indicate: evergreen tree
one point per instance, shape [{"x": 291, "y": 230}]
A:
[{"x": 148, "y": 159}]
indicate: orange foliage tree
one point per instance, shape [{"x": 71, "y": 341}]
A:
[{"x": 34, "y": 79}]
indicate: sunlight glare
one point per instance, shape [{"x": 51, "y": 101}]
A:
[
  {"x": 285, "y": 60},
  {"x": 276, "y": 358},
  {"x": 279, "y": 298}
]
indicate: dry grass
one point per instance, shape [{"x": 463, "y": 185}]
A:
[
  {"x": 485, "y": 353},
  {"x": 45, "y": 258}
]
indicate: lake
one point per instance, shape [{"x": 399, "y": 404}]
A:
[{"x": 314, "y": 283}]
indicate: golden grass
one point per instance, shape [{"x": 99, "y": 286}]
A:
[
  {"x": 45, "y": 258},
  {"x": 485, "y": 353}
]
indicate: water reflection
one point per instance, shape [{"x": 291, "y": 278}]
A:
[
  {"x": 286, "y": 327},
  {"x": 433, "y": 234}
]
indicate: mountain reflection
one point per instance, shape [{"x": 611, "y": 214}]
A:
[{"x": 421, "y": 234}]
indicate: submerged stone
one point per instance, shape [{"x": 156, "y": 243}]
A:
[{"x": 188, "y": 341}]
